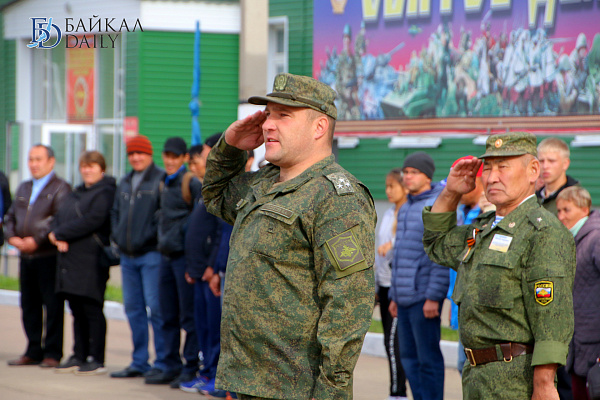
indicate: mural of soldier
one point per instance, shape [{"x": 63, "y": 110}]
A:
[
  {"x": 579, "y": 59},
  {"x": 507, "y": 72},
  {"x": 346, "y": 80},
  {"x": 565, "y": 85}
]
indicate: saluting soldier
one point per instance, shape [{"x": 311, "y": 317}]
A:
[
  {"x": 299, "y": 291},
  {"x": 515, "y": 274}
]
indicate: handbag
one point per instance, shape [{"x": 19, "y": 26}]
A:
[
  {"x": 593, "y": 381},
  {"x": 109, "y": 254}
]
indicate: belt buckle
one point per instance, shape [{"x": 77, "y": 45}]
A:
[
  {"x": 510, "y": 352},
  {"x": 470, "y": 358}
]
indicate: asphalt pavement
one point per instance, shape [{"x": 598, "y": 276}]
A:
[
  {"x": 371, "y": 376},
  {"x": 35, "y": 383}
]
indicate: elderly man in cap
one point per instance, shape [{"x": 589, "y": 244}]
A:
[
  {"x": 134, "y": 221},
  {"x": 300, "y": 289},
  {"x": 515, "y": 274}
]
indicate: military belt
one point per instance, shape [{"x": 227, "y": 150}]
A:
[{"x": 490, "y": 354}]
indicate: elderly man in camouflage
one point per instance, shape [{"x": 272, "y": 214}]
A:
[
  {"x": 299, "y": 291},
  {"x": 515, "y": 274}
]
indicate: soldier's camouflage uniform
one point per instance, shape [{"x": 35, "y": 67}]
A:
[
  {"x": 299, "y": 290},
  {"x": 513, "y": 285}
]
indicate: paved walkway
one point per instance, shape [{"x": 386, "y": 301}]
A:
[
  {"x": 34, "y": 383},
  {"x": 371, "y": 379}
]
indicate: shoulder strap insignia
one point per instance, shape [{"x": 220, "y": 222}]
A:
[
  {"x": 538, "y": 219},
  {"x": 341, "y": 183}
]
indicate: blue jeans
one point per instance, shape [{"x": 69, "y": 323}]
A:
[
  {"x": 140, "y": 291},
  {"x": 420, "y": 352},
  {"x": 207, "y": 315},
  {"x": 177, "y": 306}
]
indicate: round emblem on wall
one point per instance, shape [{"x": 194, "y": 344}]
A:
[{"x": 498, "y": 143}]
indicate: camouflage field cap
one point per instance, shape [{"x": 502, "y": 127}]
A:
[
  {"x": 510, "y": 144},
  {"x": 300, "y": 91}
]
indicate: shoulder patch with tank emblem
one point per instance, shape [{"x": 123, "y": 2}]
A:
[{"x": 341, "y": 183}]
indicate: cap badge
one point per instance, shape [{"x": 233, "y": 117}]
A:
[
  {"x": 498, "y": 143},
  {"x": 280, "y": 82}
]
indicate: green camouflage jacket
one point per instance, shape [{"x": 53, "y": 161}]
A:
[
  {"x": 299, "y": 290},
  {"x": 515, "y": 283}
]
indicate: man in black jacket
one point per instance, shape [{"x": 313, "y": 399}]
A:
[
  {"x": 5, "y": 202},
  {"x": 26, "y": 226},
  {"x": 181, "y": 191},
  {"x": 134, "y": 221}
]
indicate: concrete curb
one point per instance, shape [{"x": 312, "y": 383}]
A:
[{"x": 372, "y": 346}]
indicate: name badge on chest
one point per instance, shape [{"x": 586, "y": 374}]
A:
[{"x": 500, "y": 243}]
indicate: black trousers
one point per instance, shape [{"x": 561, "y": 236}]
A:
[
  {"x": 390, "y": 337},
  {"x": 564, "y": 384},
  {"x": 89, "y": 327},
  {"x": 37, "y": 277}
]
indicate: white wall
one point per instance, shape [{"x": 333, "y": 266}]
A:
[{"x": 17, "y": 23}]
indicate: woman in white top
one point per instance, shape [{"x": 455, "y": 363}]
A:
[{"x": 386, "y": 234}]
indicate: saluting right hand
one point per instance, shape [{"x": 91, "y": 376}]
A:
[
  {"x": 461, "y": 179},
  {"x": 247, "y": 133}
]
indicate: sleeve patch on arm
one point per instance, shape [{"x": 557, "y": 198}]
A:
[
  {"x": 544, "y": 292},
  {"x": 346, "y": 254}
]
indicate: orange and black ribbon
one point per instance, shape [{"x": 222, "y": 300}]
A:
[{"x": 471, "y": 240}]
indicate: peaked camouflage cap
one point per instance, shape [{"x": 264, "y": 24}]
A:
[
  {"x": 510, "y": 144},
  {"x": 300, "y": 91}
]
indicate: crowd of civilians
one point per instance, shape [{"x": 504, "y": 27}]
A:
[{"x": 173, "y": 256}]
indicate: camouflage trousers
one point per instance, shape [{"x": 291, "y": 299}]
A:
[
  {"x": 499, "y": 380},
  {"x": 248, "y": 397}
]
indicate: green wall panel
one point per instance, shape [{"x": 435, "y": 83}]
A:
[
  {"x": 132, "y": 71},
  {"x": 164, "y": 80},
  {"x": 7, "y": 89},
  {"x": 372, "y": 159},
  {"x": 300, "y": 19}
]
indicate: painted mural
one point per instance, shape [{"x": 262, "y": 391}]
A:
[{"x": 395, "y": 59}]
